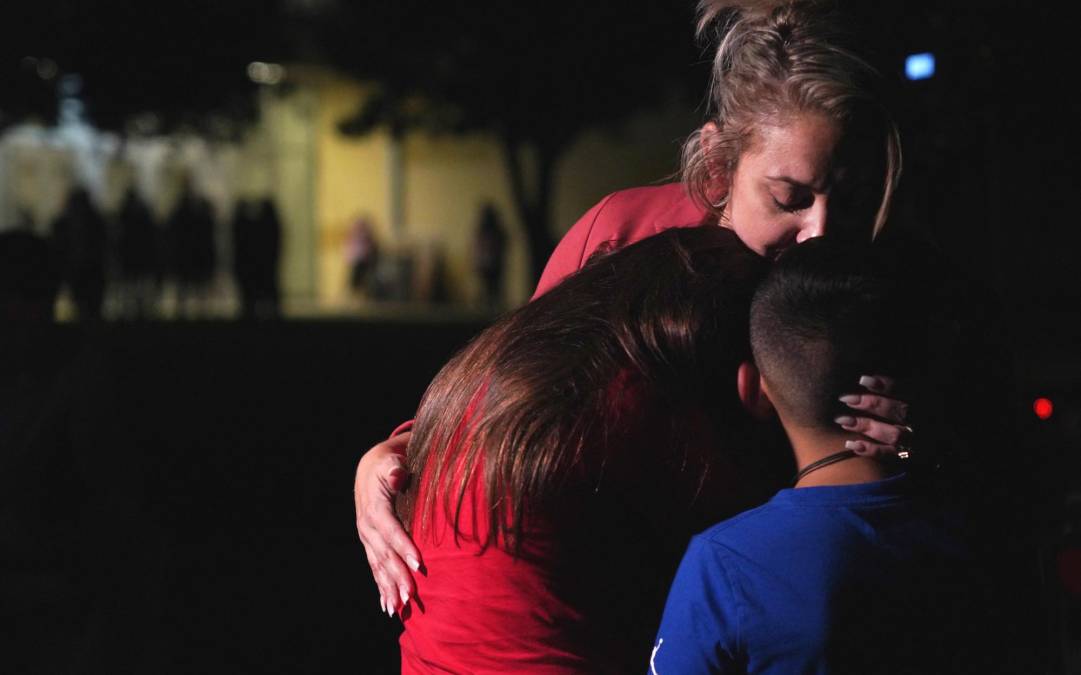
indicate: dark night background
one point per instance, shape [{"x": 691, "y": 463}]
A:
[{"x": 206, "y": 467}]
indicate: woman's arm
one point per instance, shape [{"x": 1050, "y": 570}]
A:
[{"x": 381, "y": 475}]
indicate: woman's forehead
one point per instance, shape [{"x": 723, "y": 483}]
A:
[
  {"x": 809, "y": 150},
  {"x": 802, "y": 150}
]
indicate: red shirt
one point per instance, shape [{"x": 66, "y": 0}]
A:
[{"x": 484, "y": 610}]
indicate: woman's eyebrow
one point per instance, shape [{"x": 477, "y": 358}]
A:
[{"x": 795, "y": 183}]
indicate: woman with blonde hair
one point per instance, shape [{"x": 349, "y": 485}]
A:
[{"x": 797, "y": 145}]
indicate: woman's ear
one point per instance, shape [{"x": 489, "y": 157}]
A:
[
  {"x": 719, "y": 170},
  {"x": 752, "y": 391}
]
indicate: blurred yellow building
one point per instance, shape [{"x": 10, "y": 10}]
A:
[
  {"x": 444, "y": 181},
  {"x": 423, "y": 195}
]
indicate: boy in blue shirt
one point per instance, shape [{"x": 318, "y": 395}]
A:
[{"x": 850, "y": 570}]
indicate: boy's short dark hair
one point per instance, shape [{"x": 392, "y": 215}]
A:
[{"x": 828, "y": 312}]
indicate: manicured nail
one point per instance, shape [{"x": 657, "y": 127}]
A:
[
  {"x": 846, "y": 421},
  {"x": 390, "y": 610},
  {"x": 382, "y": 604},
  {"x": 868, "y": 381},
  {"x": 855, "y": 446},
  {"x": 851, "y": 399},
  {"x": 413, "y": 563},
  {"x": 405, "y": 596}
]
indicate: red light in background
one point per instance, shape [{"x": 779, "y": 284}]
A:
[
  {"x": 1043, "y": 408},
  {"x": 1068, "y": 563}
]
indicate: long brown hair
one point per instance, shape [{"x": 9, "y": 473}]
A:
[{"x": 529, "y": 401}]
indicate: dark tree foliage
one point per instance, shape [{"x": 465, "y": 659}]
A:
[{"x": 183, "y": 61}]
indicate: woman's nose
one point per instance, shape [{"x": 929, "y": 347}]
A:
[{"x": 816, "y": 220}]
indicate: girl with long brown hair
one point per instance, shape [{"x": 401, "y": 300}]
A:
[{"x": 559, "y": 456}]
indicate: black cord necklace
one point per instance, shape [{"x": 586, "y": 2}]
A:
[{"x": 825, "y": 461}]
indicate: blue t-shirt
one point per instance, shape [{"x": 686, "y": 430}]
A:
[{"x": 841, "y": 579}]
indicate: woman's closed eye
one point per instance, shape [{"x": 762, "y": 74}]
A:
[{"x": 792, "y": 202}]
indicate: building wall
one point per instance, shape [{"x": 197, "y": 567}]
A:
[
  {"x": 446, "y": 181},
  {"x": 351, "y": 182}
]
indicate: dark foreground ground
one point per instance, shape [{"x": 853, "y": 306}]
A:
[
  {"x": 228, "y": 452},
  {"x": 204, "y": 472}
]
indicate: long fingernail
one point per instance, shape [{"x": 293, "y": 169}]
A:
[
  {"x": 868, "y": 381},
  {"x": 413, "y": 563},
  {"x": 855, "y": 446},
  {"x": 390, "y": 610},
  {"x": 850, "y": 399},
  {"x": 845, "y": 421},
  {"x": 405, "y": 595},
  {"x": 382, "y": 604}
]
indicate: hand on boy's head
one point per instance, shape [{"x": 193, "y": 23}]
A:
[
  {"x": 886, "y": 434},
  {"x": 882, "y": 407}
]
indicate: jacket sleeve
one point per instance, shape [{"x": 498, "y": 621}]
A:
[{"x": 573, "y": 250}]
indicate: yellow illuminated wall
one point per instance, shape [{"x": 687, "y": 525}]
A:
[
  {"x": 351, "y": 182},
  {"x": 446, "y": 181}
]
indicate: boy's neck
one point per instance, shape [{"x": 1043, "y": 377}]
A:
[{"x": 811, "y": 444}]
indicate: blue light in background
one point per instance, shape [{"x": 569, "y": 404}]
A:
[{"x": 920, "y": 66}]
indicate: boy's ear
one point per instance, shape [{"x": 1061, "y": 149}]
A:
[{"x": 752, "y": 391}]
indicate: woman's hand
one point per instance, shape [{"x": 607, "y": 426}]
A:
[
  {"x": 886, "y": 434},
  {"x": 381, "y": 474}
]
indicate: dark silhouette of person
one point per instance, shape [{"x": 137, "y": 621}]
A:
[
  {"x": 191, "y": 231},
  {"x": 245, "y": 219},
  {"x": 137, "y": 253},
  {"x": 490, "y": 246},
  {"x": 257, "y": 235},
  {"x": 80, "y": 240}
]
